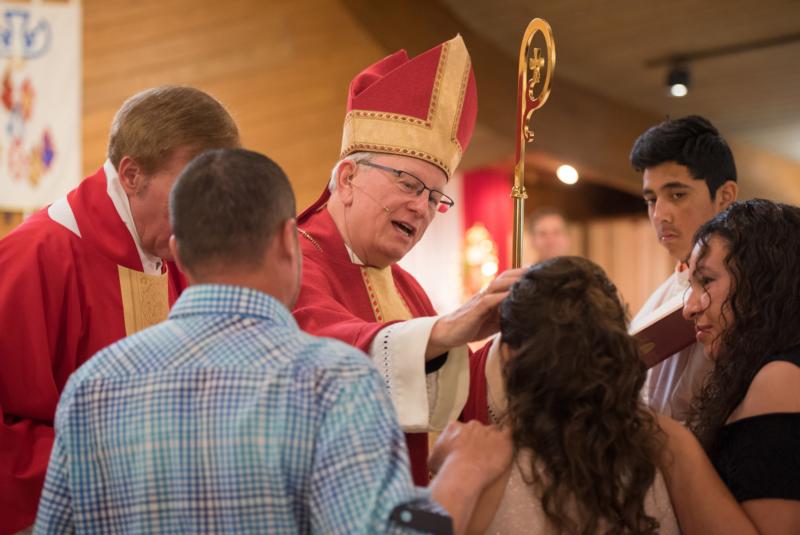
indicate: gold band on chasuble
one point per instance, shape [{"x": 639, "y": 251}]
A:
[
  {"x": 385, "y": 299},
  {"x": 145, "y": 298}
]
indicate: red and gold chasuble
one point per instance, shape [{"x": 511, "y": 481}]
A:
[
  {"x": 63, "y": 297},
  {"x": 340, "y": 299},
  {"x": 423, "y": 107}
]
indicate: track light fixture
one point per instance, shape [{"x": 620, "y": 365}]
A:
[
  {"x": 678, "y": 62},
  {"x": 678, "y": 80}
]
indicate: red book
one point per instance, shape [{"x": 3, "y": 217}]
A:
[{"x": 663, "y": 332}]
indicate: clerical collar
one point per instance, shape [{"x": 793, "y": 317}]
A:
[
  {"x": 353, "y": 256},
  {"x": 151, "y": 265}
]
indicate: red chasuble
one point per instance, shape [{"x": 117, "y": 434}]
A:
[
  {"x": 62, "y": 298},
  {"x": 477, "y": 406},
  {"x": 335, "y": 302}
]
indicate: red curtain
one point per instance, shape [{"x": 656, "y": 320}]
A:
[{"x": 487, "y": 199}]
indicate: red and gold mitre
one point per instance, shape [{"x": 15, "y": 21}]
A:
[{"x": 424, "y": 107}]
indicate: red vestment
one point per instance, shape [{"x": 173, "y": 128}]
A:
[
  {"x": 334, "y": 302},
  {"x": 477, "y": 406},
  {"x": 60, "y": 302},
  {"x": 423, "y": 108}
]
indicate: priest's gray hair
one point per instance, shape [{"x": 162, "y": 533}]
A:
[{"x": 356, "y": 156}]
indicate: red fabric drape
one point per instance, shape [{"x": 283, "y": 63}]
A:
[{"x": 487, "y": 199}]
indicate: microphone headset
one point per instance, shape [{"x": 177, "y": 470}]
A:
[{"x": 370, "y": 197}]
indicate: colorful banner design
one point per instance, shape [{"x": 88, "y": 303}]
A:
[{"x": 40, "y": 103}]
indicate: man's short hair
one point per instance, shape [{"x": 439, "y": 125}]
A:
[
  {"x": 152, "y": 124},
  {"x": 690, "y": 141},
  {"x": 225, "y": 208}
]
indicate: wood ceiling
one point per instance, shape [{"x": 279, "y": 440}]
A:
[{"x": 752, "y": 97}]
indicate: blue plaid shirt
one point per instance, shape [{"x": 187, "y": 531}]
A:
[{"x": 226, "y": 418}]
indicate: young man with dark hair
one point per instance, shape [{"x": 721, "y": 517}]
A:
[
  {"x": 227, "y": 418},
  {"x": 688, "y": 175}
]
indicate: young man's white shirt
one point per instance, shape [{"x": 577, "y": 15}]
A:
[{"x": 673, "y": 383}]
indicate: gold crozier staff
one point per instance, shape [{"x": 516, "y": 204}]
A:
[{"x": 531, "y": 65}]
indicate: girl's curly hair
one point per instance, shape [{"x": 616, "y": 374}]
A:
[
  {"x": 573, "y": 399},
  {"x": 762, "y": 257}
]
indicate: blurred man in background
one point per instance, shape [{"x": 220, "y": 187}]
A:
[{"x": 549, "y": 236}]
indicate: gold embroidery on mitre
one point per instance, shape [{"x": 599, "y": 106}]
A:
[
  {"x": 385, "y": 299},
  {"x": 434, "y": 139},
  {"x": 145, "y": 299}
]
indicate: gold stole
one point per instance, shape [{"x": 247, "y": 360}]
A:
[
  {"x": 145, "y": 298},
  {"x": 386, "y": 301}
]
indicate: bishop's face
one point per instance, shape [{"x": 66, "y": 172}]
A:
[{"x": 383, "y": 221}]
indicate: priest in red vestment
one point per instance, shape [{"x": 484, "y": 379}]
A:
[
  {"x": 407, "y": 125},
  {"x": 91, "y": 268}
]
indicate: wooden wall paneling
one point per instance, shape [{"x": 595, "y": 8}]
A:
[
  {"x": 626, "y": 248},
  {"x": 9, "y": 220},
  {"x": 282, "y": 68}
]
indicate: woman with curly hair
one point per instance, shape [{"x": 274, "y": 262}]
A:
[
  {"x": 566, "y": 379},
  {"x": 745, "y": 304}
]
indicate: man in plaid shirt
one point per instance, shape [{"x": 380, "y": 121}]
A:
[{"x": 226, "y": 418}]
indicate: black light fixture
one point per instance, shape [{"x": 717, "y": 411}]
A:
[
  {"x": 678, "y": 80},
  {"x": 678, "y": 76}
]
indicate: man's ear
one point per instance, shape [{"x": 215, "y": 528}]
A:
[
  {"x": 131, "y": 175},
  {"x": 726, "y": 194},
  {"x": 285, "y": 240},
  {"x": 173, "y": 249},
  {"x": 344, "y": 179}
]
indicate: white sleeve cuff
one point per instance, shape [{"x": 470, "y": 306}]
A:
[{"x": 423, "y": 403}]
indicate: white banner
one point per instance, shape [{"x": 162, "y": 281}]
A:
[{"x": 40, "y": 103}]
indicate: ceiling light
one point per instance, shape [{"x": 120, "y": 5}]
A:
[
  {"x": 678, "y": 81},
  {"x": 567, "y": 174}
]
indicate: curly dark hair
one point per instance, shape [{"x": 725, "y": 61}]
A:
[
  {"x": 762, "y": 258},
  {"x": 691, "y": 141},
  {"x": 573, "y": 398}
]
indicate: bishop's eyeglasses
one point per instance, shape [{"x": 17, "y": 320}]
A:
[{"x": 414, "y": 186}]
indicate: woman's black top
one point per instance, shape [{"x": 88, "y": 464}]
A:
[{"x": 759, "y": 456}]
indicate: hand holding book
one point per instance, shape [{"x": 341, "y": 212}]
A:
[{"x": 664, "y": 332}]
